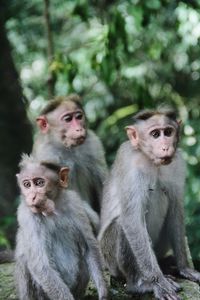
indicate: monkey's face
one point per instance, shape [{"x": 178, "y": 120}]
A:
[
  {"x": 34, "y": 191},
  {"x": 36, "y": 186},
  {"x": 156, "y": 137},
  {"x": 159, "y": 140},
  {"x": 67, "y": 124}
]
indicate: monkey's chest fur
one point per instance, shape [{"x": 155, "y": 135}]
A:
[
  {"x": 67, "y": 251},
  {"x": 156, "y": 210},
  {"x": 62, "y": 246}
]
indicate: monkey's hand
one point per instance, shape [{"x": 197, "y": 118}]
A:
[
  {"x": 103, "y": 295},
  {"x": 104, "y": 298},
  {"x": 190, "y": 274},
  {"x": 165, "y": 288},
  {"x": 48, "y": 208}
]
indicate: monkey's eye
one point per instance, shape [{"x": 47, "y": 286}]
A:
[
  {"x": 155, "y": 133},
  {"x": 79, "y": 116},
  {"x": 67, "y": 118},
  {"x": 27, "y": 184},
  {"x": 39, "y": 182},
  {"x": 168, "y": 131}
]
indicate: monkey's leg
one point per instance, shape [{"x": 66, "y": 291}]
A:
[
  {"x": 165, "y": 259},
  {"x": 176, "y": 232},
  {"x": 50, "y": 281},
  {"x": 108, "y": 244},
  {"x": 128, "y": 266},
  {"x": 95, "y": 268},
  {"x": 151, "y": 276}
]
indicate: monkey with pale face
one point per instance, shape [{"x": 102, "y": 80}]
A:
[
  {"x": 56, "y": 251},
  {"x": 64, "y": 136},
  {"x": 142, "y": 210}
]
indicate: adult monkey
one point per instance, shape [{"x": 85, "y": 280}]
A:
[
  {"x": 142, "y": 209},
  {"x": 56, "y": 251},
  {"x": 64, "y": 136}
]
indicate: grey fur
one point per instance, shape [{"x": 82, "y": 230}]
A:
[
  {"x": 55, "y": 255},
  {"x": 141, "y": 219},
  {"x": 87, "y": 164}
]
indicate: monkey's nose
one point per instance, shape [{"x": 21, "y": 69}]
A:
[
  {"x": 165, "y": 148},
  {"x": 34, "y": 199}
]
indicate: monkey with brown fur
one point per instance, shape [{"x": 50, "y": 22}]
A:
[
  {"x": 56, "y": 251},
  {"x": 142, "y": 209},
  {"x": 64, "y": 136}
]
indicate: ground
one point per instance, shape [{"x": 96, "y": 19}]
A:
[{"x": 190, "y": 290}]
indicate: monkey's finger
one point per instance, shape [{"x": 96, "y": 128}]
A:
[
  {"x": 190, "y": 274},
  {"x": 171, "y": 297},
  {"x": 175, "y": 286},
  {"x": 166, "y": 295},
  {"x": 170, "y": 276}
]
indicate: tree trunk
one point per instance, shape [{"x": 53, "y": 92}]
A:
[
  {"x": 50, "y": 49},
  {"x": 15, "y": 132}
]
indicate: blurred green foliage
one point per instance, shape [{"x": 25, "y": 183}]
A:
[{"x": 121, "y": 56}]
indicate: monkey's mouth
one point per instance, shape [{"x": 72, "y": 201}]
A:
[
  {"x": 36, "y": 208},
  {"x": 80, "y": 140},
  {"x": 166, "y": 160},
  {"x": 163, "y": 160},
  {"x": 75, "y": 141}
]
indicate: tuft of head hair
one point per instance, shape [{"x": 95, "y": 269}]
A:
[
  {"x": 57, "y": 101},
  {"x": 146, "y": 114},
  {"x": 29, "y": 159},
  {"x": 25, "y": 160}
]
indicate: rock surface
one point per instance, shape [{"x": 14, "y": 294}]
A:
[{"x": 191, "y": 290}]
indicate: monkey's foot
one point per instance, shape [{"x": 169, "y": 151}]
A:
[
  {"x": 166, "y": 289},
  {"x": 141, "y": 287},
  {"x": 190, "y": 274},
  {"x": 176, "y": 286},
  {"x": 103, "y": 296}
]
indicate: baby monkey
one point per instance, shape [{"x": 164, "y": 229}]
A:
[{"x": 56, "y": 251}]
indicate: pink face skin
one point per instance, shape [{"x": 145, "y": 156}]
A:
[
  {"x": 37, "y": 183},
  {"x": 156, "y": 137},
  {"x": 66, "y": 123},
  {"x": 162, "y": 141},
  {"x": 34, "y": 191}
]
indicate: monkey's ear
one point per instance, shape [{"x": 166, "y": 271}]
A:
[
  {"x": 17, "y": 175},
  {"x": 42, "y": 124},
  {"x": 132, "y": 135},
  {"x": 63, "y": 177}
]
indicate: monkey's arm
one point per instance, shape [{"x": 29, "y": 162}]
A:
[
  {"x": 134, "y": 226},
  {"x": 48, "y": 278},
  {"x": 22, "y": 274},
  {"x": 23, "y": 279},
  {"x": 92, "y": 216},
  {"x": 97, "y": 164},
  {"x": 94, "y": 265},
  {"x": 176, "y": 230}
]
